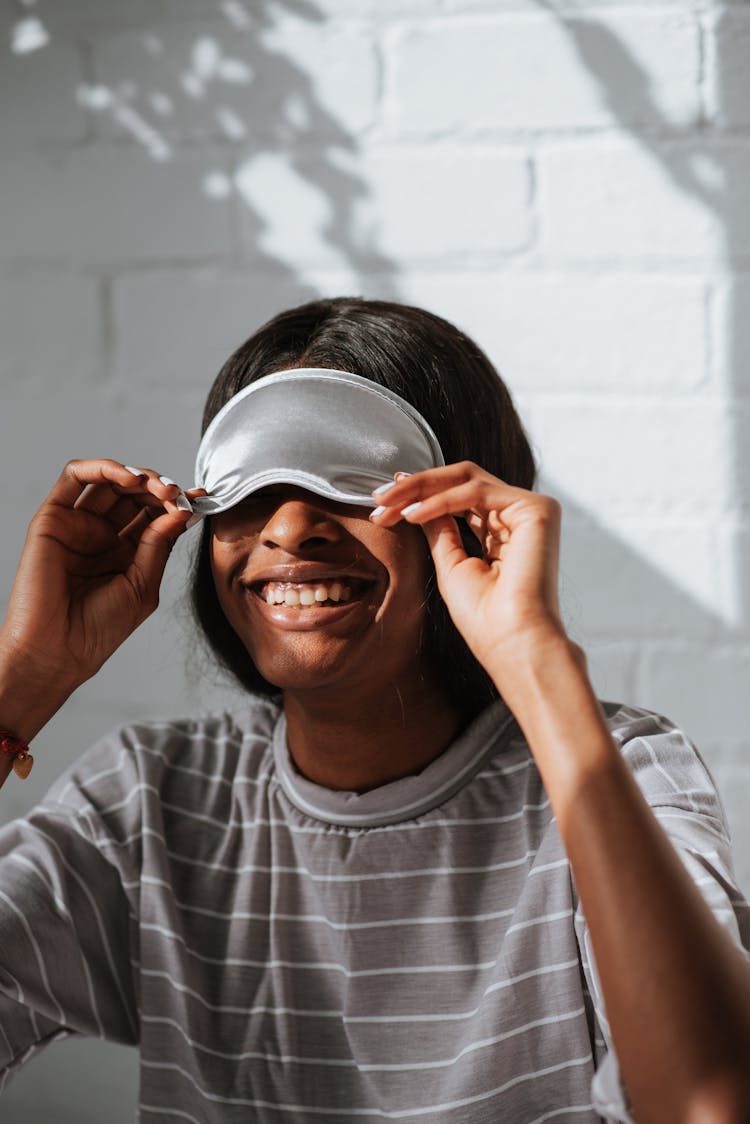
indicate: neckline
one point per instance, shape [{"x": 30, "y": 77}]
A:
[{"x": 400, "y": 800}]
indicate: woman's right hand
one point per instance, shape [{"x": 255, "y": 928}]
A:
[{"x": 90, "y": 571}]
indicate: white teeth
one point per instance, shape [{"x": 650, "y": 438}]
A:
[{"x": 303, "y": 595}]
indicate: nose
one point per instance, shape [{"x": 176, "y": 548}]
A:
[{"x": 296, "y": 524}]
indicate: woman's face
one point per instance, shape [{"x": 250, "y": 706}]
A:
[{"x": 318, "y": 594}]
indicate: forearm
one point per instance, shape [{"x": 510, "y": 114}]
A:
[
  {"x": 677, "y": 992},
  {"x": 28, "y": 700}
]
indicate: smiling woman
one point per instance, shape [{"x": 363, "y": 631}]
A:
[{"x": 422, "y": 821}]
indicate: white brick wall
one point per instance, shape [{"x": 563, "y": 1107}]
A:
[{"x": 566, "y": 179}]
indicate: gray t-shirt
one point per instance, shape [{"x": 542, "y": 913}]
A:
[{"x": 281, "y": 952}]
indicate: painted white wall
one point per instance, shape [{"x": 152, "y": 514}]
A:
[{"x": 565, "y": 180}]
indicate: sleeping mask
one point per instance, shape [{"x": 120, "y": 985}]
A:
[{"x": 334, "y": 433}]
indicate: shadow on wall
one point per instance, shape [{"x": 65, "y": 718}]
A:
[
  {"x": 705, "y": 171},
  {"x": 225, "y": 82},
  {"x": 233, "y": 93}
]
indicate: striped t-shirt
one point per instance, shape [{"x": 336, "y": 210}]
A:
[{"x": 281, "y": 952}]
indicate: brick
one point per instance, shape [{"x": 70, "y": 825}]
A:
[
  {"x": 704, "y": 688},
  {"x": 61, "y": 422},
  {"x": 51, "y": 330},
  {"x": 636, "y": 578},
  {"x": 478, "y": 73},
  {"x": 637, "y": 458},
  {"x": 38, "y": 96},
  {"x": 611, "y": 668},
  {"x": 550, "y": 330},
  {"x": 104, "y": 204},
  {"x": 739, "y": 451},
  {"x": 731, "y": 333},
  {"x": 196, "y": 81},
  {"x": 392, "y": 205},
  {"x": 175, "y": 329},
  {"x": 728, "y": 81},
  {"x": 667, "y": 202}
]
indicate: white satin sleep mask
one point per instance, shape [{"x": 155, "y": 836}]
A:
[{"x": 331, "y": 432}]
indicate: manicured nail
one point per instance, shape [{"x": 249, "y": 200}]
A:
[
  {"x": 378, "y": 511},
  {"x": 166, "y": 480},
  {"x": 401, "y": 475},
  {"x": 382, "y": 488},
  {"x": 411, "y": 508},
  {"x": 135, "y": 471}
]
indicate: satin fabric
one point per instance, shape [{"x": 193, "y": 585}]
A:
[{"x": 332, "y": 432}]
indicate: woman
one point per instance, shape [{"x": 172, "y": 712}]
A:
[{"x": 417, "y": 875}]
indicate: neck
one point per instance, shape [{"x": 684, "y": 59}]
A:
[{"x": 358, "y": 743}]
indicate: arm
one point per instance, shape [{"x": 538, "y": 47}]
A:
[
  {"x": 676, "y": 990},
  {"x": 89, "y": 574}
]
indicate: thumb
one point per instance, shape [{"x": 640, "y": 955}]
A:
[
  {"x": 146, "y": 570},
  {"x": 445, "y": 543}
]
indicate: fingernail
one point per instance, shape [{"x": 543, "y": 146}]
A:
[
  {"x": 135, "y": 471},
  {"x": 382, "y": 488},
  {"x": 183, "y": 502},
  {"x": 378, "y": 511},
  {"x": 411, "y": 508},
  {"x": 166, "y": 480},
  {"x": 401, "y": 475}
]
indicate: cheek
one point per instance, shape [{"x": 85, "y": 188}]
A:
[{"x": 411, "y": 567}]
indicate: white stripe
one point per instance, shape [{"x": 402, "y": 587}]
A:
[
  {"x": 350, "y": 1111},
  {"x": 41, "y": 873},
  {"x": 65, "y": 913},
  {"x": 667, "y": 776},
  {"x": 101, "y": 926},
  {"x": 480, "y": 821},
  {"x": 39, "y": 955},
  {"x": 697, "y": 819},
  {"x": 511, "y": 981},
  {"x": 506, "y": 770},
  {"x": 539, "y": 921},
  {"x": 472, "y": 1048},
  {"x": 548, "y": 866},
  {"x": 337, "y": 926},
  {"x": 362, "y": 1067},
  {"x": 361, "y": 973},
  {"x": 373, "y": 877},
  {"x": 162, "y": 1112}
]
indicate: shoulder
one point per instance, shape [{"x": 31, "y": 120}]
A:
[
  {"x": 148, "y": 756},
  {"x": 666, "y": 763}
]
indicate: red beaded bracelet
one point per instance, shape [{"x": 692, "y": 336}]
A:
[{"x": 18, "y": 750}]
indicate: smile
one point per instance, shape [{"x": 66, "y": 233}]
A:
[{"x": 307, "y": 594}]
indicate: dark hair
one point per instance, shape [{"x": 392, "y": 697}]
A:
[{"x": 431, "y": 364}]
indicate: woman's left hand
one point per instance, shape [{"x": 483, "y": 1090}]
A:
[{"x": 508, "y": 598}]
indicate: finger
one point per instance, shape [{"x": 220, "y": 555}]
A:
[
  {"x": 423, "y": 484},
  {"x": 446, "y": 546},
  {"x": 471, "y": 491},
  {"x": 78, "y": 474},
  {"x": 154, "y": 546},
  {"x": 470, "y": 498}
]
